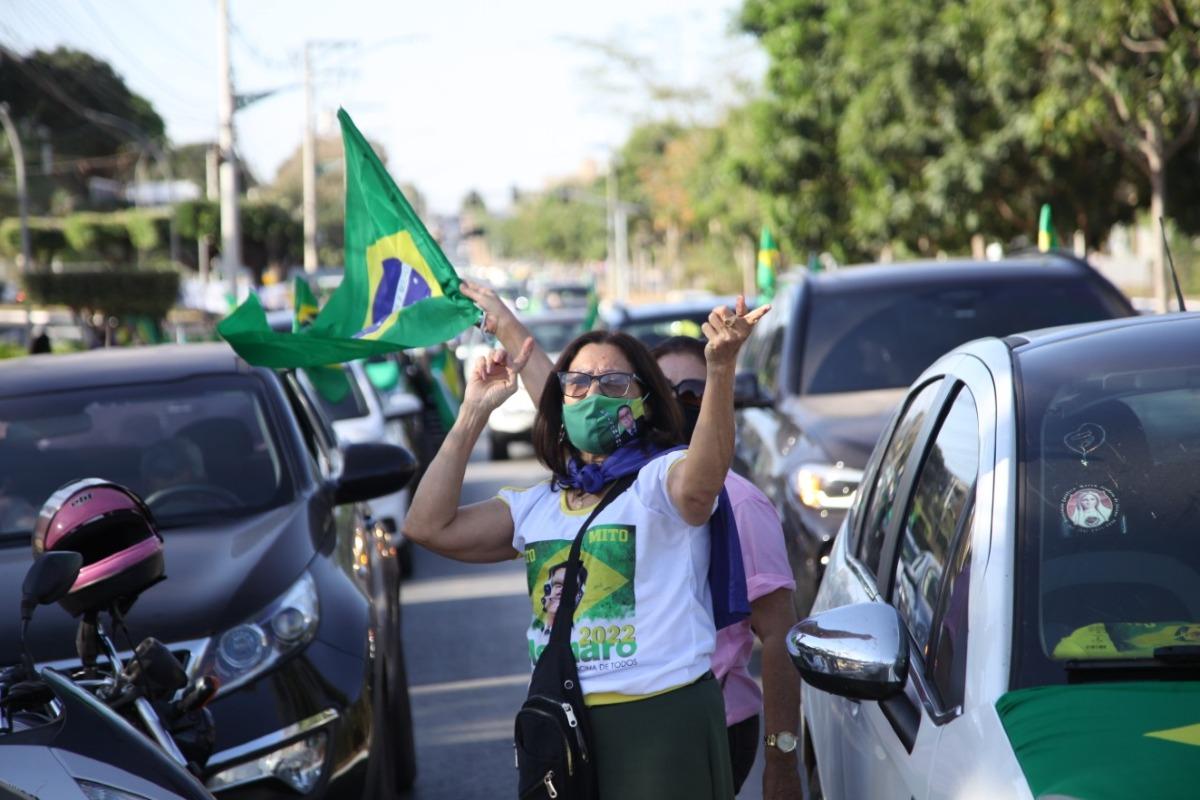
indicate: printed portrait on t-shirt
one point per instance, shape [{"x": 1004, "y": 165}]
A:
[{"x": 605, "y": 603}]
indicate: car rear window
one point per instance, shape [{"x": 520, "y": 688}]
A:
[
  {"x": 554, "y": 335},
  {"x": 196, "y": 450},
  {"x": 883, "y": 339},
  {"x": 1109, "y": 566}
]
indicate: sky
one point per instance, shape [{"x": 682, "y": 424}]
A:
[{"x": 462, "y": 94}]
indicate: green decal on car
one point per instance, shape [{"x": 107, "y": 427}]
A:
[{"x": 1102, "y": 741}]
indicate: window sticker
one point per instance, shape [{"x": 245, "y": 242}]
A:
[
  {"x": 1090, "y": 507},
  {"x": 1085, "y": 439}
]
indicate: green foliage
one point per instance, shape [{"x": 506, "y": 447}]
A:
[
  {"x": 913, "y": 125},
  {"x": 46, "y": 239},
  {"x": 560, "y": 225},
  {"x": 115, "y": 293},
  {"x": 143, "y": 230},
  {"x": 196, "y": 218},
  {"x": 270, "y": 234}
]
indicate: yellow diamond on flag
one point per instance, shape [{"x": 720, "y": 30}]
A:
[
  {"x": 1188, "y": 734},
  {"x": 602, "y": 580}
]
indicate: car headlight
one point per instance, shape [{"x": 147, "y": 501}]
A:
[
  {"x": 245, "y": 651},
  {"x": 100, "y": 791},
  {"x": 826, "y": 486}
]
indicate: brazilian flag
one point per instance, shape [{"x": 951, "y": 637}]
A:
[
  {"x": 399, "y": 290},
  {"x": 304, "y": 305},
  {"x": 1047, "y": 238}
]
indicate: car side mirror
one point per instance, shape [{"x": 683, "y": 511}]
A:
[
  {"x": 747, "y": 393},
  {"x": 858, "y": 651},
  {"x": 50, "y": 577},
  {"x": 371, "y": 470}
]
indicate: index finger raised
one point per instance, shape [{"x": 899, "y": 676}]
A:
[{"x": 757, "y": 314}]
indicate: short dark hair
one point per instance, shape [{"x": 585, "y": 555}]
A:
[
  {"x": 685, "y": 345},
  {"x": 663, "y": 420}
]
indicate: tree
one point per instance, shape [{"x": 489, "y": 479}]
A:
[
  {"x": 50, "y": 95},
  {"x": 1127, "y": 70}
]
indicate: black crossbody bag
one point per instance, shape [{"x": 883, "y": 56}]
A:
[{"x": 552, "y": 735}]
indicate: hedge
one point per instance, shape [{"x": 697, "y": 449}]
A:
[{"x": 115, "y": 293}]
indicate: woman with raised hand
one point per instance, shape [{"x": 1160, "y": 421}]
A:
[{"x": 644, "y": 627}]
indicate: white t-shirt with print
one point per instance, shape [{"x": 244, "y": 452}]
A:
[{"x": 644, "y": 622}]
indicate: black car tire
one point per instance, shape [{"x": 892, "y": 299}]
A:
[
  {"x": 404, "y": 555},
  {"x": 499, "y": 447},
  {"x": 404, "y": 747}
]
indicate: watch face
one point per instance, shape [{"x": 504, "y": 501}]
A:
[{"x": 785, "y": 741}]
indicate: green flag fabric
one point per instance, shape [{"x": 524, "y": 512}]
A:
[
  {"x": 1047, "y": 238},
  {"x": 399, "y": 290},
  {"x": 1106, "y": 741},
  {"x": 593, "y": 311},
  {"x": 768, "y": 265}
]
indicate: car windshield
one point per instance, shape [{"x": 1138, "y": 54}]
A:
[
  {"x": 883, "y": 339},
  {"x": 1108, "y": 567},
  {"x": 195, "y": 450},
  {"x": 554, "y": 335}
]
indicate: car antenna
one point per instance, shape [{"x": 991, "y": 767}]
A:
[{"x": 1171, "y": 262}]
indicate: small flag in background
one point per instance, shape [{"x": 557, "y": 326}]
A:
[
  {"x": 593, "y": 311},
  {"x": 768, "y": 265},
  {"x": 399, "y": 290},
  {"x": 304, "y": 305},
  {"x": 1047, "y": 238},
  {"x": 447, "y": 393}
]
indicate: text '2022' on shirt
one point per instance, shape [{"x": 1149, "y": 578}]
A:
[{"x": 643, "y": 620}]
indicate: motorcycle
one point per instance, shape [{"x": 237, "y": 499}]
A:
[{"x": 93, "y": 733}]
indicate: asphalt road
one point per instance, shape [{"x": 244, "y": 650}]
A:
[{"x": 468, "y": 668}]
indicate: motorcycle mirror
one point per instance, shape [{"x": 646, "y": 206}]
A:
[{"x": 49, "y": 579}]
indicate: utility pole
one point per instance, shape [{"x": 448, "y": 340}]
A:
[
  {"x": 231, "y": 234},
  {"x": 14, "y": 142},
  {"x": 309, "y": 165}
]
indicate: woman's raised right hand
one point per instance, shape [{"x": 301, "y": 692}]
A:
[{"x": 493, "y": 378}]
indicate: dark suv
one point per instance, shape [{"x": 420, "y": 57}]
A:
[{"x": 827, "y": 366}]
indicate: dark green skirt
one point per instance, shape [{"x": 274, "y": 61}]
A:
[{"x": 671, "y": 746}]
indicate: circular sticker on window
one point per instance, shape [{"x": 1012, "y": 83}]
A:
[{"x": 1090, "y": 507}]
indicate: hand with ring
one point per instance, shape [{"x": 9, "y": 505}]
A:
[{"x": 727, "y": 330}]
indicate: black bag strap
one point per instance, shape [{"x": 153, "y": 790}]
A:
[{"x": 565, "y": 617}]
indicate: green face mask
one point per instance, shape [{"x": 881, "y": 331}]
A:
[{"x": 600, "y": 424}]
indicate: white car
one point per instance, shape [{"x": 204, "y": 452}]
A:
[
  {"x": 513, "y": 420},
  {"x": 1012, "y": 606},
  {"x": 363, "y": 415}
]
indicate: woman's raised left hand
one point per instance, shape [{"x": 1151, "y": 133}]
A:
[{"x": 727, "y": 330}]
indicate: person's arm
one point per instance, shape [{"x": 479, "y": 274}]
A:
[
  {"x": 512, "y": 334},
  {"x": 695, "y": 483},
  {"x": 481, "y": 532},
  {"x": 771, "y": 617}
]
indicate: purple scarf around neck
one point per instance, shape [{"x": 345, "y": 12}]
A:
[{"x": 726, "y": 572}]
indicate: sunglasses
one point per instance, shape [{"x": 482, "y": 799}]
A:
[
  {"x": 612, "y": 384},
  {"x": 689, "y": 392}
]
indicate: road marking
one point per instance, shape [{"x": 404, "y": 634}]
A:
[
  {"x": 438, "y": 590},
  {"x": 521, "y": 679}
]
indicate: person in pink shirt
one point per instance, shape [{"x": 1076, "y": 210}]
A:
[{"x": 769, "y": 586}]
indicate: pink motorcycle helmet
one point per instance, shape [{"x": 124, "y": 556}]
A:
[{"x": 115, "y": 533}]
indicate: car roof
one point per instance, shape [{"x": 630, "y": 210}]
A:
[
  {"x": 575, "y": 314},
  {"x": 1187, "y": 323},
  {"x": 905, "y": 273},
  {"x": 683, "y": 308},
  {"x": 116, "y": 366}
]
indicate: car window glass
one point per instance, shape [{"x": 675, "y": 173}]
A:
[
  {"x": 948, "y": 650},
  {"x": 339, "y": 393},
  {"x": 943, "y": 489},
  {"x": 319, "y": 438},
  {"x": 863, "y": 340},
  {"x": 891, "y": 473},
  {"x": 197, "y": 449}
]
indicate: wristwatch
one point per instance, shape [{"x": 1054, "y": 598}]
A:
[{"x": 785, "y": 741}]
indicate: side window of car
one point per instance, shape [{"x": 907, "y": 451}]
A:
[
  {"x": 319, "y": 438},
  {"x": 948, "y": 649},
  {"x": 934, "y": 516},
  {"x": 883, "y": 491}
]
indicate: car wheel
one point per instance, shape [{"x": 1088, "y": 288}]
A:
[
  {"x": 403, "y": 750},
  {"x": 499, "y": 448}
]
